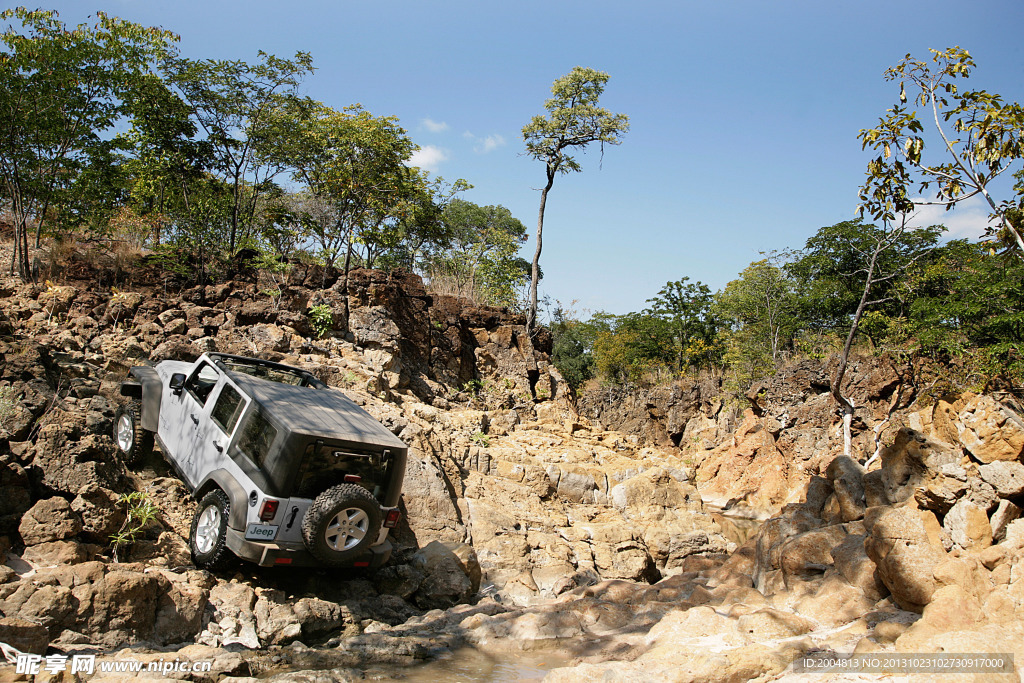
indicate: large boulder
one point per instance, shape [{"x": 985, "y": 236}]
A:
[
  {"x": 913, "y": 461},
  {"x": 990, "y": 431},
  {"x": 1007, "y": 477},
  {"x": 904, "y": 544},
  {"x": 48, "y": 520}
]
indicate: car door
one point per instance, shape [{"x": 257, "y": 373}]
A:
[
  {"x": 214, "y": 435},
  {"x": 189, "y": 424}
]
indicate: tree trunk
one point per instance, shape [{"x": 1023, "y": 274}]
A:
[
  {"x": 531, "y": 316},
  {"x": 837, "y": 381}
]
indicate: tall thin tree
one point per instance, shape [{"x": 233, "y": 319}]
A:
[{"x": 574, "y": 121}]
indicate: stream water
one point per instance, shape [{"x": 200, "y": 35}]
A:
[{"x": 470, "y": 665}]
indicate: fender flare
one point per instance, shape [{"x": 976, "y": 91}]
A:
[
  {"x": 152, "y": 392},
  {"x": 223, "y": 480}
]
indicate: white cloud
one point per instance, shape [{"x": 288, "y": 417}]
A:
[
  {"x": 967, "y": 220},
  {"x": 428, "y": 158},
  {"x": 485, "y": 144},
  {"x": 435, "y": 126}
]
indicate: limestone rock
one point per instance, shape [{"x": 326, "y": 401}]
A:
[
  {"x": 913, "y": 461},
  {"x": 1007, "y": 477},
  {"x": 990, "y": 431},
  {"x": 900, "y": 545},
  {"x": 968, "y": 525},
  {"x": 847, "y": 478},
  {"x": 1005, "y": 513},
  {"x": 853, "y": 564},
  {"x": 445, "y": 582}
]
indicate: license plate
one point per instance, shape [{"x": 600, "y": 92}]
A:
[{"x": 261, "y": 532}]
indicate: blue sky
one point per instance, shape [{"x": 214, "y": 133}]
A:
[{"x": 744, "y": 114}]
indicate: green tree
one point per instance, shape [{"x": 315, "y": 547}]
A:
[
  {"x": 686, "y": 307},
  {"x": 61, "y": 89},
  {"x": 979, "y": 138},
  {"x": 572, "y": 347},
  {"x": 352, "y": 165},
  {"x": 628, "y": 346},
  {"x": 233, "y": 103},
  {"x": 574, "y": 120},
  {"x": 969, "y": 308},
  {"x": 832, "y": 270},
  {"x": 481, "y": 254},
  {"x": 760, "y": 309}
]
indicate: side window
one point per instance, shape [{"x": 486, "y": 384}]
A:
[
  {"x": 257, "y": 436},
  {"x": 201, "y": 383},
  {"x": 227, "y": 409}
]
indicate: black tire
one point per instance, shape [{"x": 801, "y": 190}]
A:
[
  {"x": 133, "y": 442},
  {"x": 207, "y": 539},
  {"x": 341, "y": 524}
]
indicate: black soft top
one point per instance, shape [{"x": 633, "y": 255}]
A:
[{"x": 320, "y": 413}]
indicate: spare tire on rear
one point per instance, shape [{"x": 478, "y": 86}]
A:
[{"x": 341, "y": 524}]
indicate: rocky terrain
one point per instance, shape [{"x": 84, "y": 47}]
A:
[{"x": 532, "y": 526}]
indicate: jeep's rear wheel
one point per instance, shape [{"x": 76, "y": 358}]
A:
[
  {"x": 134, "y": 442},
  {"x": 208, "y": 535},
  {"x": 341, "y": 524}
]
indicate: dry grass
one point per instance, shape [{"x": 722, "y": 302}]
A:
[{"x": 440, "y": 284}]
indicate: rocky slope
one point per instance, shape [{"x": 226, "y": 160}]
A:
[
  {"x": 530, "y": 528},
  {"x": 508, "y": 493}
]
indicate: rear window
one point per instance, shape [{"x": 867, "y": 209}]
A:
[{"x": 257, "y": 436}]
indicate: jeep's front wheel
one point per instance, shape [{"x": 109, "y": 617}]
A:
[
  {"x": 208, "y": 535},
  {"x": 134, "y": 442},
  {"x": 341, "y": 524}
]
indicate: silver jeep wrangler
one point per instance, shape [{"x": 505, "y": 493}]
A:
[{"x": 287, "y": 471}]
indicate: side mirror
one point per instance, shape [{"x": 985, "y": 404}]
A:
[{"x": 177, "y": 383}]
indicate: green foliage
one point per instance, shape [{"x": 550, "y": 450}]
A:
[
  {"x": 977, "y": 135},
  {"x": 686, "y": 308},
  {"x": 761, "y": 308},
  {"x": 139, "y": 511},
  {"x": 61, "y": 89},
  {"x": 232, "y": 102},
  {"x": 321, "y": 319},
  {"x": 831, "y": 270},
  {"x": 629, "y": 346},
  {"x": 572, "y": 347},
  {"x": 479, "y": 253},
  {"x": 970, "y": 305},
  {"x": 481, "y": 439}
]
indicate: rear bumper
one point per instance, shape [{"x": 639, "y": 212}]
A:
[{"x": 273, "y": 554}]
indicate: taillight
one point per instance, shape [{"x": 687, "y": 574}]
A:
[
  {"x": 353, "y": 478},
  {"x": 392, "y": 517},
  {"x": 268, "y": 510}
]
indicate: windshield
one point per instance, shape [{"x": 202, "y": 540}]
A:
[{"x": 273, "y": 372}]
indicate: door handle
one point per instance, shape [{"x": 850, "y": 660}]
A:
[
  {"x": 195, "y": 420},
  {"x": 220, "y": 449}
]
